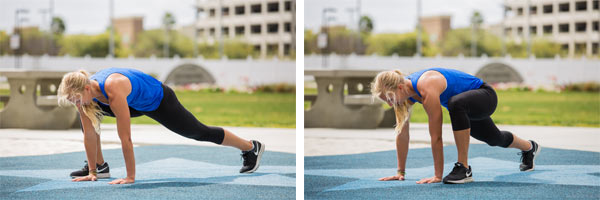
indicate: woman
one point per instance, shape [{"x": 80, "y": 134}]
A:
[
  {"x": 125, "y": 93},
  {"x": 470, "y": 103}
]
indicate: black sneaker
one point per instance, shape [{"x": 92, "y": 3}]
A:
[
  {"x": 252, "y": 157},
  {"x": 528, "y": 157},
  {"x": 460, "y": 174},
  {"x": 103, "y": 171}
]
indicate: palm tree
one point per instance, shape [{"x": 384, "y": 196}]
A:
[
  {"x": 58, "y": 26},
  {"x": 168, "y": 21},
  {"x": 365, "y": 24},
  {"x": 476, "y": 21}
]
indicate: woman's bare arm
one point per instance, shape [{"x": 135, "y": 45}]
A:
[
  {"x": 90, "y": 143},
  {"x": 117, "y": 88}
]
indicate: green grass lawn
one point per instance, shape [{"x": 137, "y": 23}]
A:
[
  {"x": 231, "y": 109},
  {"x": 531, "y": 108}
]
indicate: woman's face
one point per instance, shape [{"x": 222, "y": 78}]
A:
[
  {"x": 394, "y": 96},
  {"x": 83, "y": 98}
]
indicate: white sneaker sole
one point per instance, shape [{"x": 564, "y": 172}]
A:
[
  {"x": 537, "y": 152},
  {"x": 260, "y": 152},
  {"x": 462, "y": 181}
]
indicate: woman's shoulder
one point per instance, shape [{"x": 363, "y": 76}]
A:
[
  {"x": 116, "y": 83},
  {"x": 431, "y": 82}
]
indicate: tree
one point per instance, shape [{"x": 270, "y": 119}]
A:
[
  {"x": 387, "y": 44},
  {"x": 309, "y": 42},
  {"x": 152, "y": 42},
  {"x": 3, "y": 43},
  {"x": 476, "y": 21},
  {"x": 460, "y": 41},
  {"x": 168, "y": 22},
  {"x": 82, "y": 45},
  {"x": 58, "y": 26},
  {"x": 365, "y": 24}
]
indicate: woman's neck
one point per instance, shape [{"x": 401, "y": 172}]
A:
[
  {"x": 96, "y": 92},
  {"x": 409, "y": 88}
]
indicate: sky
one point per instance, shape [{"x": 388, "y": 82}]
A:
[
  {"x": 401, "y": 15},
  {"x": 92, "y": 16}
]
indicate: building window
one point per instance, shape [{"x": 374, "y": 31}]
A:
[
  {"x": 225, "y": 31},
  {"x": 581, "y": 6},
  {"x": 272, "y": 49},
  {"x": 508, "y": 12},
  {"x": 272, "y": 28},
  {"x": 564, "y": 47},
  {"x": 287, "y": 27},
  {"x": 255, "y": 29},
  {"x": 211, "y": 31},
  {"x": 533, "y": 10},
  {"x": 547, "y": 29},
  {"x": 200, "y": 31},
  {"x": 595, "y": 5},
  {"x": 288, "y": 6},
  {"x": 286, "y": 49},
  {"x": 595, "y": 25},
  {"x": 533, "y": 30},
  {"x": 595, "y": 48},
  {"x": 240, "y": 10},
  {"x": 519, "y": 11},
  {"x": 580, "y": 48},
  {"x": 563, "y": 28},
  {"x": 273, "y": 7},
  {"x": 520, "y": 30},
  {"x": 211, "y": 12},
  {"x": 256, "y": 9},
  {"x": 225, "y": 11},
  {"x": 548, "y": 9},
  {"x": 563, "y": 7},
  {"x": 256, "y": 48},
  {"x": 240, "y": 30},
  {"x": 507, "y": 30},
  {"x": 580, "y": 27}
]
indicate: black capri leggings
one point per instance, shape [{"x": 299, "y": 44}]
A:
[
  {"x": 171, "y": 114},
  {"x": 472, "y": 109}
]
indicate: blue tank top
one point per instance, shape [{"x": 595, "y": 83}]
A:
[
  {"x": 146, "y": 91},
  {"x": 456, "y": 82}
]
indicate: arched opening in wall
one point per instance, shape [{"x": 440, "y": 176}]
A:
[
  {"x": 45, "y": 93},
  {"x": 189, "y": 74},
  {"x": 499, "y": 73}
]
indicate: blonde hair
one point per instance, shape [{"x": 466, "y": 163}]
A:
[
  {"x": 71, "y": 88},
  {"x": 386, "y": 83}
]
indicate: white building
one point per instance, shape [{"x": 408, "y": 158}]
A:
[
  {"x": 268, "y": 25},
  {"x": 572, "y": 23}
]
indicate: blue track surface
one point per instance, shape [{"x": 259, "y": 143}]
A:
[
  {"x": 162, "y": 172},
  {"x": 559, "y": 174}
]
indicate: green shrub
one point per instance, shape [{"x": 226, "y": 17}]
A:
[{"x": 583, "y": 87}]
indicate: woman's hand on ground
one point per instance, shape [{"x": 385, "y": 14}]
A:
[
  {"x": 86, "y": 178},
  {"x": 430, "y": 180},
  {"x": 123, "y": 181},
  {"x": 393, "y": 178}
]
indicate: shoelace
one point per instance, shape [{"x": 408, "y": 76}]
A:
[
  {"x": 524, "y": 156},
  {"x": 455, "y": 169},
  {"x": 245, "y": 157}
]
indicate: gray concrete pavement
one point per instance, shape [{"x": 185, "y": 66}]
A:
[
  {"x": 321, "y": 141},
  {"x": 23, "y": 142}
]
